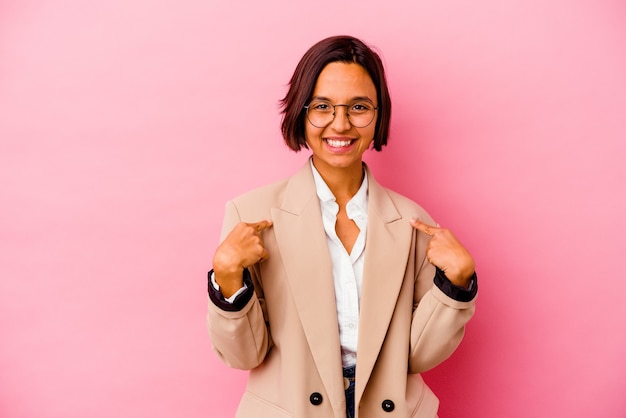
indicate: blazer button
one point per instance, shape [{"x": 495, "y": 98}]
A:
[
  {"x": 388, "y": 405},
  {"x": 316, "y": 398}
]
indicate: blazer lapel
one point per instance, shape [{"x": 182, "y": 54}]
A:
[
  {"x": 302, "y": 242},
  {"x": 386, "y": 254}
]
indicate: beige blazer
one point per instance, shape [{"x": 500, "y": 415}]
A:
[{"x": 287, "y": 335}]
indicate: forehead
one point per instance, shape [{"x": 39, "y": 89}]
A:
[{"x": 341, "y": 81}]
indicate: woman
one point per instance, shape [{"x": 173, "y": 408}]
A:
[{"x": 332, "y": 290}]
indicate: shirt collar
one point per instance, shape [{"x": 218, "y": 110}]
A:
[{"x": 359, "y": 200}]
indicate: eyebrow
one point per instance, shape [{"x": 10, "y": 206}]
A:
[{"x": 354, "y": 99}]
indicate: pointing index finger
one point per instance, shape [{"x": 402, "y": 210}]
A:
[
  {"x": 261, "y": 225},
  {"x": 421, "y": 226}
]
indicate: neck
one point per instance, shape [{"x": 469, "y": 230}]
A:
[{"x": 344, "y": 182}]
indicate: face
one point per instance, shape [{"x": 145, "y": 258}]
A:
[{"x": 340, "y": 145}]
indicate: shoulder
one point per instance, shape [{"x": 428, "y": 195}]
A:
[
  {"x": 290, "y": 193},
  {"x": 391, "y": 204},
  {"x": 267, "y": 195},
  {"x": 253, "y": 206},
  {"x": 408, "y": 207}
]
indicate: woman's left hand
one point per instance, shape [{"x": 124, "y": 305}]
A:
[{"x": 447, "y": 253}]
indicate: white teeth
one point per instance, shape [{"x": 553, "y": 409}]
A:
[{"x": 337, "y": 143}]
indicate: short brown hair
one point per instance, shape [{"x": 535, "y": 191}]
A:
[{"x": 334, "y": 49}]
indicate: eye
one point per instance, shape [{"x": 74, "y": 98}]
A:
[
  {"x": 360, "y": 107},
  {"x": 320, "y": 106}
]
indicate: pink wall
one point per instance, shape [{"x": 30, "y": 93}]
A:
[{"x": 126, "y": 125}]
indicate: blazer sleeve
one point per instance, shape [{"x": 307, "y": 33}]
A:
[
  {"x": 438, "y": 321},
  {"x": 240, "y": 338}
]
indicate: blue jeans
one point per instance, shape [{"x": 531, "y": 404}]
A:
[{"x": 348, "y": 374}]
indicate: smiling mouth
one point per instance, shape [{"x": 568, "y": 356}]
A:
[{"x": 338, "y": 143}]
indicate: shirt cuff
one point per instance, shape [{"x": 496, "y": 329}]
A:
[
  {"x": 455, "y": 292},
  {"x": 237, "y": 301}
]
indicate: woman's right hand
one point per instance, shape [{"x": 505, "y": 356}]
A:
[{"x": 242, "y": 248}]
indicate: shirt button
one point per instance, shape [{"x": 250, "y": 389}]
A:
[{"x": 388, "y": 405}]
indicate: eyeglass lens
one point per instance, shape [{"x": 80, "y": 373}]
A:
[{"x": 321, "y": 113}]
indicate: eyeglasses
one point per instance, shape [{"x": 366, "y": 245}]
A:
[{"x": 321, "y": 113}]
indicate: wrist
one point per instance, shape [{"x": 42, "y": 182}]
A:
[
  {"x": 229, "y": 282},
  {"x": 238, "y": 300},
  {"x": 228, "y": 275},
  {"x": 460, "y": 277}
]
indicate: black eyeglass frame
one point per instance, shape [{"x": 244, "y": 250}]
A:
[{"x": 347, "y": 106}]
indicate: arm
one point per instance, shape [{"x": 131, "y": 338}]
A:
[
  {"x": 241, "y": 336},
  {"x": 442, "y": 309}
]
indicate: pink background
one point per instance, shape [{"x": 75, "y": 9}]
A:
[{"x": 125, "y": 125}]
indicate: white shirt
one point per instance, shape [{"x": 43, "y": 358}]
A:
[{"x": 347, "y": 268}]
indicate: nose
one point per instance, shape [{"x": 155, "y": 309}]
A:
[{"x": 341, "y": 121}]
